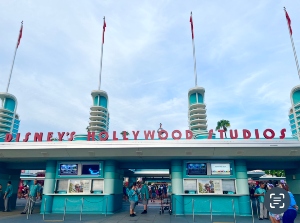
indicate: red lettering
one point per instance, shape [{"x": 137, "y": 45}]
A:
[
  {"x": 26, "y": 137},
  {"x": 103, "y": 136},
  {"x": 282, "y": 133},
  {"x": 256, "y": 134},
  {"x": 179, "y": 135},
  {"x": 161, "y": 133},
  {"x": 188, "y": 134},
  {"x": 210, "y": 134},
  {"x": 125, "y": 135},
  {"x": 91, "y": 135},
  {"x": 38, "y": 137},
  {"x": 115, "y": 135},
  {"x": 221, "y": 131},
  {"x": 8, "y": 137},
  {"x": 246, "y": 134},
  {"x": 71, "y": 136},
  {"x": 235, "y": 136},
  {"x": 60, "y": 136},
  {"x": 18, "y": 137},
  {"x": 266, "y": 135},
  {"x": 135, "y": 134},
  {"x": 149, "y": 134},
  {"x": 49, "y": 136}
]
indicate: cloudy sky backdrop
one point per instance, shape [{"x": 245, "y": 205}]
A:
[{"x": 244, "y": 61}]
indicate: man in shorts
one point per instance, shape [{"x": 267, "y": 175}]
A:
[
  {"x": 153, "y": 193},
  {"x": 145, "y": 197}
]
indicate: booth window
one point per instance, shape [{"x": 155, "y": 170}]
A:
[
  {"x": 61, "y": 186},
  {"x": 228, "y": 187},
  {"x": 97, "y": 186}
]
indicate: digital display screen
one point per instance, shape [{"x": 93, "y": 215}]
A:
[
  {"x": 68, "y": 169},
  {"x": 196, "y": 169},
  {"x": 90, "y": 169},
  {"x": 220, "y": 169}
]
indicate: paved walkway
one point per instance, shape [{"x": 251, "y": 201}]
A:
[{"x": 153, "y": 216}]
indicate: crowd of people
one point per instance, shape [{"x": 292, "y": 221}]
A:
[
  {"x": 259, "y": 190},
  {"x": 141, "y": 192}
]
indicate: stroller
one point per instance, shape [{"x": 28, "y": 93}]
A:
[{"x": 165, "y": 205}]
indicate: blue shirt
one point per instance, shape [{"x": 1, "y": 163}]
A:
[
  {"x": 132, "y": 194},
  {"x": 293, "y": 202},
  {"x": 144, "y": 192},
  {"x": 34, "y": 189},
  {"x": 261, "y": 199},
  {"x": 9, "y": 190}
]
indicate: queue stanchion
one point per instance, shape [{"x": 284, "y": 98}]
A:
[
  {"x": 252, "y": 210},
  {"x": 193, "y": 209},
  {"x": 257, "y": 204},
  {"x": 81, "y": 209},
  {"x": 65, "y": 209},
  {"x": 233, "y": 211},
  {"x": 44, "y": 208},
  {"x": 106, "y": 206}
]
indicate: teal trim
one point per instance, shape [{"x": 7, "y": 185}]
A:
[
  {"x": 103, "y": 102},
  {"x": 9, "y": 104},
  {"x": 291, "y": 116},
  {"x": 193, "y": 99},
  {"x": 296, "y": 97},
  {"x": 96, "y": 99},
  {"x": 244, "y": 206},
  {"x": 200, "y": 98}
]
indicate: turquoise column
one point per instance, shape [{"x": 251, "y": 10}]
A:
[
  {"x": 242, "y": 187},
  {"x": 49, "y": 185},
  {"x": 113, "y": 187},
  {"x": 293, "y": 181},
  {"x": 177, "y": 186}
]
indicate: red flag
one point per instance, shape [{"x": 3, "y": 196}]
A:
[
  {"x": 192, "y": 26},
  {"x": 288, "y": 21},
  {"x": 104, "y": 25},
  {"x": 20, "y": 34}
]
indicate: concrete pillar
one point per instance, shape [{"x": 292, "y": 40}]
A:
[
  {"x": 177, "y": 186},
  {"x": 242, "y": 187},
  {"x": 113, "y": 186},
  {"x": 49, "y": 185},
  {"x": 293, "y": 181}
]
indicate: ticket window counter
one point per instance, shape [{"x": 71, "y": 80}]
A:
[{"x": 79, "y": 186}]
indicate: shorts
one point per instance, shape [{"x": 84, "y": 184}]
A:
[
  {"x": 153, "y": 195},
  {"x": 145, "y": 201},
  {"x": 132, "y": 204}
]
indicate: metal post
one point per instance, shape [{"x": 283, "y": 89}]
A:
[
  {"x": 257, "y": 208},
  {"x": 175, "y": 207},
  {"x": 106, "y": 206},
  {"x": 81, "y": 209},
  {"x": 252, "y": 210},
  {"x": 65, "y": 209},
  {"x": 233, "y": 211},
  {"x": 211, "y": 218},
  {"x": 193, "y": 210},
  {"x": 44, "y": 208},
  {"x": 28, "y": 207}
]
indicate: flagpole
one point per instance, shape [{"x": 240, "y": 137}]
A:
[
  {"x": 101, "y": 54},
  {"x": 293, "y": 45},
  {"x": 194, "y": 54},
  {"x": 12, "y": 66}
]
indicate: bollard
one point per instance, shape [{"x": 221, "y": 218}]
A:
[
  {"x": 193, "y": 210},
  {"x": 65, "y": 209},
  {"x": 252, "y": 210},
  {"x": 81, "y": 209},
  {"x": 233, "y": 211}
]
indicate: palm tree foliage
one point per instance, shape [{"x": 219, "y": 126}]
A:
[
  {"x": 276, "y": 173},
  {"x": 223, "y": 124}
]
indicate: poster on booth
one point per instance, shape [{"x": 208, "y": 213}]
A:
[
  {"x": 79, "y": 186},
  {"x": 210, "y": 186},
  {"x": 220, "y": 169}
]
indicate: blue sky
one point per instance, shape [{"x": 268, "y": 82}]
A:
[{"x": 244, "y": 61}]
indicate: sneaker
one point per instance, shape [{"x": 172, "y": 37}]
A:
[
  {"x": 144, "y": 212},
  {"x": 132, "y": 215},
  {"x": 261, "y": 219},
  {"x": 23, "y": 212},
  {"x": 4, "y": 211}
]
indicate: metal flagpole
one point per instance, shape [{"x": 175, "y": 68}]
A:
[
  {"x": 195, "y": 67},
  {"x": 292, "y": 41},
  {"x": 101, "y": 52},
  {"x": 12, "y": 66}
]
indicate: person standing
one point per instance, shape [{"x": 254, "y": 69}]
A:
[
  {"x": 7, "y": 197},
  {"x": 260, "y": 193},
  {"x": 133, "y": 198},
  {"x": 144, "y": 197},
  {"x": 33, "y": 194},
  {"x": 290, "y": 214}
]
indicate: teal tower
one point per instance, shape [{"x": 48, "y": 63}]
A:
[
  {"x": 294, "y": 112},
  {"x": 9, "y": 119}
]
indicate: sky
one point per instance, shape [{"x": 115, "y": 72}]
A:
[{"x": 244, "y": 59}]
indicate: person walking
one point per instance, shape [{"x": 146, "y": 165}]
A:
[
  {"x": 133, "y": 199},
  {"x": 33, "y": 194},
  {"x": 7, "y": 197},
  {"x": 290, "y": 214},
  {"x": 260, "y": 193},
  {"x": 144, "y": 197}
]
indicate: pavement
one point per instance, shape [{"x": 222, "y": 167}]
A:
[{"x": 122, "y": 216}]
